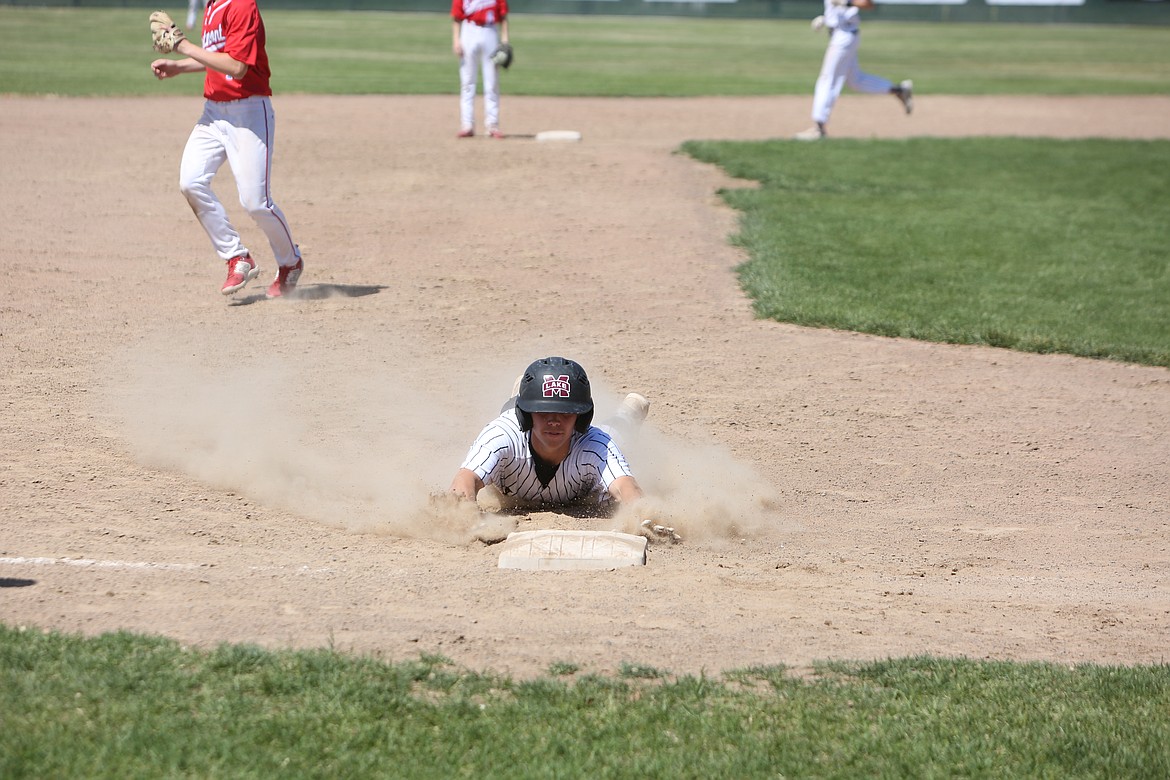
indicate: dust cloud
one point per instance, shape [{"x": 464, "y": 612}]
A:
[
  {"x": 344, "y": 446},
  {"x": 700, "y": 490},
  {"x": 365, "y": 451}
]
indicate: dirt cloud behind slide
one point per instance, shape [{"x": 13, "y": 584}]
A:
[{"x": 365, "y": 451}]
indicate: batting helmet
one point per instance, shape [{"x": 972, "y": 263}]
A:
[{"x": 558, "y": 386}]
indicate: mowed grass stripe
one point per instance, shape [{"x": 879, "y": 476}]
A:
[{"x": 369, "y": 52}]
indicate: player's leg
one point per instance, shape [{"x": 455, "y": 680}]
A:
[
  {"x": 467, "y": 79},
  {"x": 876, "y": 85},
  {"x": 491, "y": 81},
  {"x": 834, "y": 71},
  {"x": 202, "y": 157},
  {"x": 251, "y": 134},
  {"x": 859, "y": 80},
  {"x": 830, "y": 81},
  {"x": 514, "y": 397},
  {"x": 625, "y": 423}
]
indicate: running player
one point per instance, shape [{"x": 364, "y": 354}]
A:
[
  {"x": 840, "y": 66},
  {"x": 542, "y": 449},
  {"x": 478, "y": 28},
  {"x": 193, "y": 7},
  {"x": 237, "y": 126}
]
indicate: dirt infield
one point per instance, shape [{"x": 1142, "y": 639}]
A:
[{"x": 255, "y": 471}]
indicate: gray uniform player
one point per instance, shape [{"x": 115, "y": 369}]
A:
[
  {"x": 840, "y": 66},
  {"x": 543, "y": 450}
]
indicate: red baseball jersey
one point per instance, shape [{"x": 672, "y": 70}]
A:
[
  {"x": 235, "y": 28},
  {"x": 481, "y": 12}
]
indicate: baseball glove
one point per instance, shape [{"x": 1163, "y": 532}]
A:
[
  {"x": 165, "y": 33},
  {"x": 503, "y": 55}
]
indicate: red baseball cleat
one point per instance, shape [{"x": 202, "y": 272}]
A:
[
  {"x": 241, "y": 270},
  {"x": 286, "y": 280}
]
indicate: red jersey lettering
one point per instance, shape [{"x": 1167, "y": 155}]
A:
[{"x": 235, "y": 28}]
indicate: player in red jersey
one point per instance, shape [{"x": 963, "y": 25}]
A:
[
  {"x": 478, "y": 28},
  {"x": 237, "y": 126}
]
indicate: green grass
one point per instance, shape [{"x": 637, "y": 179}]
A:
[
  {"x": 107, "y": 51},
  {"x": 121, "y": 705},
  {"x": 1030, "y": 244}
]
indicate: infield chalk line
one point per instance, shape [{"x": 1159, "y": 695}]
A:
[{"x": 90, "y": 563}]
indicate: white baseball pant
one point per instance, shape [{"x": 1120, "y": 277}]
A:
[
  {"x": 840, "y": 67},
  {"x": 193, "y": 9},
  {"x": 479, "y": 43},
  {"x": 240, "y": 132}
]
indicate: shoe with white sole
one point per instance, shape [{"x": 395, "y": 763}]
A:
[
  {"x": 241, "y": 270},
  {"x": 634, "y": 408},
  {"x": 286, "y": 280},
  {"x": 814, "y": 133},
  {"x": 905, "y": 93}
]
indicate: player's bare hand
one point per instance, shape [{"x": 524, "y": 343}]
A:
[
  {"x": 458, "y": 49},
  {"x": 163, "y": 69}
]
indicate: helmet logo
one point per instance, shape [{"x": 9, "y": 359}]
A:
[{"x": 556, "y": 386}]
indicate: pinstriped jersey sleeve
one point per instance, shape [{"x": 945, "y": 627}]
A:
[
  {"x": 598, "y": 453},
  {"x": 495, "y": 451}
]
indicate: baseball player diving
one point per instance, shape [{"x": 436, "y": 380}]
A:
[
  {"x": 842, "y": 18},
  {"x": 543, "y": 450},
  {"x": 237, "y": 126}
]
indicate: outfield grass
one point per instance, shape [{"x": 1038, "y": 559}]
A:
[
  {"x": 345, "y": 52},
  {"x": 1030, "y": 244},
  {"x": 125, "y": 706}
]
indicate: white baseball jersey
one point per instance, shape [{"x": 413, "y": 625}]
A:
[
  {"x": 840, "y": 65},
  {"x": 841, "y": 17},
  {"x": 502, "y": 456}
]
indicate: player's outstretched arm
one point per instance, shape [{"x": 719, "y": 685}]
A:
[
  {"x": 466, "y": 484},
  {"x": 626, "y": 490},
  {"x": 504, "y": 30}
]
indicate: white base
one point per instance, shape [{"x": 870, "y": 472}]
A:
[
  {"x": 572, "y": 550},
  {"x": 558, "y": 135}
]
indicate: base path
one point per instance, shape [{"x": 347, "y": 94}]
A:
[{"x": 254, "y": 471}]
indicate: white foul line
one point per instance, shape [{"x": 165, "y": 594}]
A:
[
  {"x": 90, "y": 563},
  {"x": 97, "y": 564}
]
